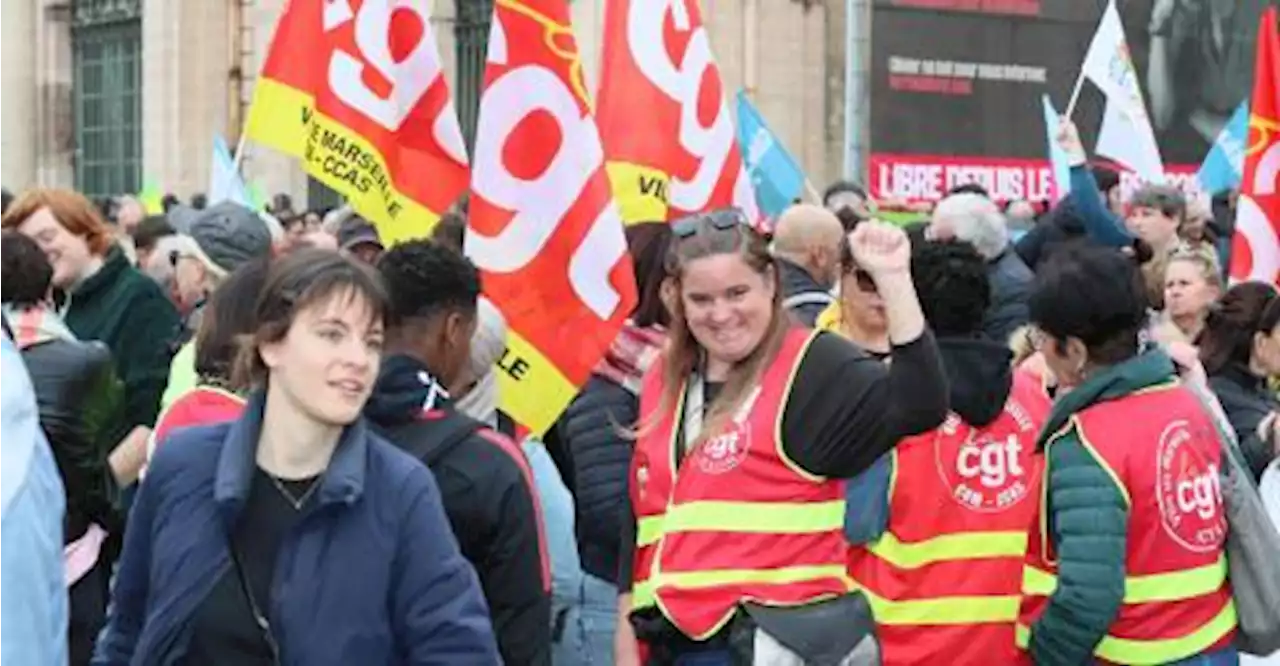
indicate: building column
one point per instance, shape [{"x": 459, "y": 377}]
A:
[
  {"x": 54, "y": 122},
  {"x": 186, "y": 75},
  {"x": 18, "y": 105},
  {"x": 835, "y": 40}
]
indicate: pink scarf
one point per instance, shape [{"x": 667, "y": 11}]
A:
[{"x": 629, "y": 357}]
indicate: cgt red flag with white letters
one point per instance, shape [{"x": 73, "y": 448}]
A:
[
  {"x": 1255, "y": 248},
  {"x": 543, "y": 226},
  {"x": 355, "y": 89},
  {"x": 670, "y": 141}
]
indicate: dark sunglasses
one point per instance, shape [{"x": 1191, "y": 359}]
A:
[
  {"x": 720, "y": 220},
  {"x": 862, "y": 279}
]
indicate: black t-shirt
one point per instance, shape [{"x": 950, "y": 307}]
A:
[
  {"x": 223, "y": 628},
  {"x": 846, "y": 409}
]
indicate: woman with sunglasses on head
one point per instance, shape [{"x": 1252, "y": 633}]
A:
[
  {"x": 747, "y": 424},
  {"x": 293, "y": 535}
]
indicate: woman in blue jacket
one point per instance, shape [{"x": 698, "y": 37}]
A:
[{"x": 293, "y": 535}]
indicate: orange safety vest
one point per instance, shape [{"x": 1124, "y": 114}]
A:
[
  {"x": 1162, "y": 450},
  {"x": 944, "y": 578},
  {"x": 740, "y": 520}
]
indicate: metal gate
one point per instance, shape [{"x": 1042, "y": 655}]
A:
[
  {"x": 471, "y": 39},
  {"x": 107, "y": 96}
]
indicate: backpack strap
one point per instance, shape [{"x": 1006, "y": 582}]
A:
[
  {"x": 808, "y": 298},
  {"x": 432, "y": 438}
]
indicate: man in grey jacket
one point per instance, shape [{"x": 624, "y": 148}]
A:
[{"x": 975, "y": 219}]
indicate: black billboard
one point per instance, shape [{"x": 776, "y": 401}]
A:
[{"x": 964, "y": 77}]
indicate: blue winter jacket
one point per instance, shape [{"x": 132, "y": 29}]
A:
[{"x": 371, "y": 574}]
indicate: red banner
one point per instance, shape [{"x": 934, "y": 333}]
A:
[
  {"x": 1255, "y": 248},
  {"x": 667, "y": 132},
  {"x": 354, "y": 89},
  {"x": 544, "y": 228},
  {"x": 929, "y": 177}
]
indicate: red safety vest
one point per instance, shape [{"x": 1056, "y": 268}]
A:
[
  {"x": 944, "y": 579},
  {"x": 740, "y": 521},
  {"x": 202, "y": 405},
  {"x": 1162, "y": 449}
]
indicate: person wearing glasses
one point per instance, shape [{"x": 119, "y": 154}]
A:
[
  {"x": 1125, "y": 562},
  {"x": 859, "y": 313},
  {"x": 747, "y": 425},
  {"x": 293, "y": 534}
]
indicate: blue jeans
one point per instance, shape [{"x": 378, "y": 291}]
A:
[
  {"x": 589, "y": 626},
  {"x": 1228, "y": 656}
]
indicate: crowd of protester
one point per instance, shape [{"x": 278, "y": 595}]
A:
[{"x": 989, "y": 437}]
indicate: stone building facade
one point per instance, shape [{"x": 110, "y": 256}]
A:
[{"x": 103, "y": 95}]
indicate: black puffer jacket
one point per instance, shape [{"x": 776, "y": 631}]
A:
[
  {"x": 600, "y": 458},
  {"x": 81, "y": 399}
]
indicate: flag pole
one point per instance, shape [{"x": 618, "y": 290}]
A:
[
  {"x": 238, "y": 157},
  {"x": 1075, "y": 95}
]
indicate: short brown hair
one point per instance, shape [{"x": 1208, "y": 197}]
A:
[
  {"x": 73, "y": 211},
  {"x": 294, "y": 283}
]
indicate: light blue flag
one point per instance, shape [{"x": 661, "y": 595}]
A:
[
  {"x": 777, "y": 178},
  {"x": 1057, "y": 156},
  {"x": 1224, "y": 165},
  {"x": 225, "y": 183}
]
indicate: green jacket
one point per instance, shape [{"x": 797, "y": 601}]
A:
[
  {"x": 1087, "y": 519},
  {"x": 128, "y": 311}
]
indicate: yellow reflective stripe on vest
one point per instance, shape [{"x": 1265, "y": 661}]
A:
[
  {"x": 755, "y": 517},
  {"x": 745, "y": 517},
  {"x": 947, "y": 547},
  {"x": 1172, "y": 586},
  {"x": 648, "y": 531},
  {"x": 944, "y": 610},
  {"x": 1161, "y": 651},
  {"x": 642, "y": 593}
]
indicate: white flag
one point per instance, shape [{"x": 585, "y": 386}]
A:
[{"x": 1126, "y": 135}]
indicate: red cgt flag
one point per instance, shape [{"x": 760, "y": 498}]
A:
[
  {"x": 354, "y": 89},
  {"x": 543, "y": 226},
  {"x": 667, "y": 132},
  {"x": 1255, "y": 248}
]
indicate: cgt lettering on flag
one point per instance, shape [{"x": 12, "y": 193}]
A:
[
  {"x": 662, "y": 114},
  {"x": 355, "y": 89},
  {"x": 1255, "y": 247},
  {"x": 543, "y": 227}
]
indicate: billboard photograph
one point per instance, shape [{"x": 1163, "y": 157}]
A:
[{"x": 956, "y": 85}]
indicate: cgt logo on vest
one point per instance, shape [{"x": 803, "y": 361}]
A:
[
  {"x": 725, "y": 451},
  {"x": 1188, "y": 490},
  {"x": 986, "y": 469}
]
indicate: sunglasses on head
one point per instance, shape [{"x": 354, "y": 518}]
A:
[{"x": 720, "y": 220}]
